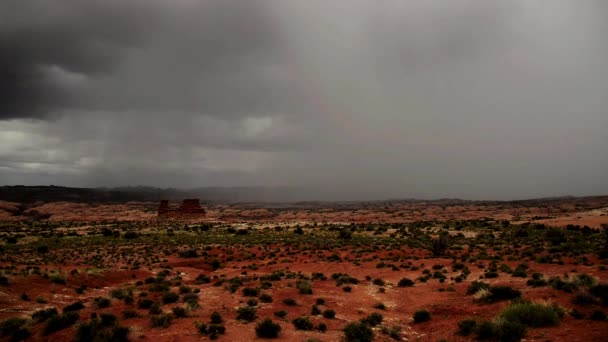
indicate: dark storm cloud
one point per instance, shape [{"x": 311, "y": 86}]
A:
[
  {"x": 44, "y": 43},
  {"x": 363, "y": 99},
  {"x": 124, "y": 55}
]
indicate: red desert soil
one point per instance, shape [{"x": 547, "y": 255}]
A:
[{"x": 447, "y": 301}]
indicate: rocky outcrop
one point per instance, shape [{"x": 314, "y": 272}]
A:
[{"x": 189, "y": 207}]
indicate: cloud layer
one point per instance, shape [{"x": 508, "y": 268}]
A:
[{"x": 362, "y": 99}]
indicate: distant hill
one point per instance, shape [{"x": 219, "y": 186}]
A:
[
  {"x": 30, "y": 194},
  {"x": 277, "y": 195}
]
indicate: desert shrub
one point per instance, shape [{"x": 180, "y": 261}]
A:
[
  {"x": 161, "y": 321},
  {"x": 600, "y": 291},
  {"x": 267, "y": 329},
  {"x": 532, "y": 314},
  {"x": 329, "y": 313},
  {"x": 304, "y": 287},
  {"x": 378, "y": 282},
  {"x": 315, "y": 310},
  {"x": 322, "y": 327},
  {"x": 101, "y": 302},
  {"x": 251, "y": 292},
  {"x": 188, "y": 253},
  {"x": 202, "y": 279},
  {"x": 486, "y": 331},
  {"x": 60, "y": 322},
  {"x": 170, "y": 297},
  {"x": 281, "y": 313},
  {"x": 117, "y": 293},
  {"x": 3, "y": 280},
  {"x": 347, "y": 289},
  {"x": 266, "y": 298},
  {"x": 129, "y": 314},
  {"x": 252, "y": 302},
  {"x": 598, "y": 315},
  {"x": 57, "y": 279},
  {"x": 289, "y": 302},
  {"x": 216, "y": 318},
  {"x": 466, "y": 327},
  {"x": 94, "y": 331},
  {"x": 358, "y": 332},
  {"x": 179, "y": 312},
  {"x": 476, "y": 286},
  {"x": 145, "y": 303},
  {"x": 155, "y": 309},
  {"x": 559, "y": 284},
  {"x": 405, "y": 282},
  {"x": 302, "y": 323},
  {"x": 246, "y": 313},
  {"x": 107, "y": 319},
  {"x": 44, "y": 314},
  {"x": 373, "y": 319},
  {"x": 519, "y": 272},
  {"x": 422, "y": 316},
  {"x": 76, "y": 306},
  {"x": 498, "y": 293},
  {"x": 584, "y": 299},
  {"x": 577, "y": 314},
  {"x": 214, "y": 330},
  {"x": 11, "y": 325},
  {"x": 501, "y": 330},
  {"x": 380, "y": 306}
]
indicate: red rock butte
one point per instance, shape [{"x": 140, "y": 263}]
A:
[{"x": 189, "y": 208}]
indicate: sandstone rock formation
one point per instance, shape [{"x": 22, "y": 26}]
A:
[{"x": 189, "y": 208}]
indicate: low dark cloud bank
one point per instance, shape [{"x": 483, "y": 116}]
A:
[{"x": 359, "y": 99}]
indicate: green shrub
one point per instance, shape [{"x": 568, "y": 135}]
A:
[
  {"x": 44, "y": 314},
  {"x": 501, "y": 330},
  {"x": 267, "y": 329},
  {"x": 107, "y": 319},
  {"x": 358, "y": 332},
  {"x": 11, "y": 325},
  {"x": 246, "y": 313},
  {"x": 373, "y": 319},
  {"x": 179, "y": 312},
  {"x": 304, "y": 287},
  {"x": 265, "y": 298},
  {"x": 145, "y": 303},
  {"x": 289, "y": 302},
  {"x": 161, "y": 321},
  {"x": 60, "y": 322},
  {"x": 466, "y": 327},
  {"x": 476, "y": 286},
  {"x": 101, "y": 302},
  {"x": 422, "y": 316},
  {"x": 329, "y": 314},
  {"x": 130, "y": 314},
  {"x": 76, "y": 306},
  {"x": 251, "y": 292},
  {"x": 94, "y": 331},
  {"x": 302, "y": 323},
  {"x": 216, "y": 318},
  {"x": 405, "y": 282},
  {"x": 531, "y": 314},
  {"x": 281, "y": 313},
  {"x": 598, "y": 315},
  {"x": 170, "y": 297}
]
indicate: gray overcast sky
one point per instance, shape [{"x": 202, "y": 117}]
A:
[{"x": 363, "y": 99}]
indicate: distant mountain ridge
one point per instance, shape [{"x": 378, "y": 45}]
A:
[{"x": 30, "y": 194}]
